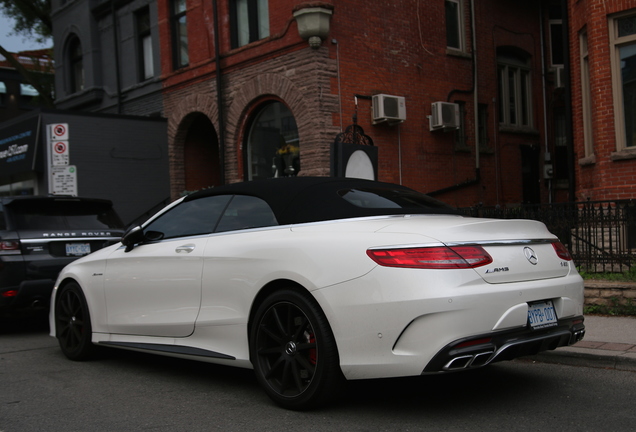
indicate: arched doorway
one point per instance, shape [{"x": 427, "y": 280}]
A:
[
  {"x": 201, "y": 155},
  {"x": 273, "y": 144}
]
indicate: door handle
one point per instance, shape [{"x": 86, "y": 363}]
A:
[{"x": 185, "y": 248}]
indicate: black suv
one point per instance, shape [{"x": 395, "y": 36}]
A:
[{"x": 40, "y": 235}]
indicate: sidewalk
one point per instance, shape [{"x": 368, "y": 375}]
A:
[{"x": 609, "y": 342}]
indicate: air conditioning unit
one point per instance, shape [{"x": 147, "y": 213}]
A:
[
  {"x": 387, "y": 108},
  {"x": 444, "y": 116},
  {"x": 559, "y": 77}
]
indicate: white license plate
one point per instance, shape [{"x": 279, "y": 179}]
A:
[
  {"x": 78, "y": 249},
  {"x": 542, "y": 314}
]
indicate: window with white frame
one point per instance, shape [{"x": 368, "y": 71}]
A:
[
  {"x": 144, "y": 44},
  {"x": 249, "y": 21},
  {"x": 455, "y": 37},
  {"x": 623, "y": 43},
  {"x": 515, "y": 90},
  {"x": 586, "y": 96}
]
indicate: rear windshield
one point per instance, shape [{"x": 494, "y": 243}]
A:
[
  {"x": 379, "y": 198},
  {"x": 63, "y": 215}
]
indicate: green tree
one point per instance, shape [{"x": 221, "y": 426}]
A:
[{"x": 32, "y": 19}]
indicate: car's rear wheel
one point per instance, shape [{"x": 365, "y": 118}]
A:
[
  {"x": 73, "y": 323},
  {"x": 293, "y": 351}
]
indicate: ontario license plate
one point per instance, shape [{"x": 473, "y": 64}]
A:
[
  {"x": 78, "y": 249},
  {"x": 542, "y": 314}
]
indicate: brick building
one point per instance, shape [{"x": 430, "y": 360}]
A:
[
  {"x": 17, "y": 95},
  {"x": 603, "y": 70},
  {"x": 462, "y": 99},
  {"x": 279, "y": 95}
]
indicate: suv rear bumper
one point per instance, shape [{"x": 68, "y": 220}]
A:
[{"x": 31, "y": 294}]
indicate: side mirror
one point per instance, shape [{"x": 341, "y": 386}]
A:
[{"x": 132, "y": 237}]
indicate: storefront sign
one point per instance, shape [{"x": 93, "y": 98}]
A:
[{"x": 17, "y": 147}]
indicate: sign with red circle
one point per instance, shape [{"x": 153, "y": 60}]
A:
[
  {"x": 59, "y": 131},
  {"x": 60, "y": 147}
]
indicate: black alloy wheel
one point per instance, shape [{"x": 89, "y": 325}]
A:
[
  {"x": 293, "y": 351},
  {"x": 73, "y": 323}
]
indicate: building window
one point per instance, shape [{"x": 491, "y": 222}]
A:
[
  {"x": 460, "y": 133},
  {"x": 179, "y": 34},
  {"x": 556, "y": 35},
  {"x": 273, "y": 146},
  {"x": 515, "y": 95},
  {"x": 586, "y": 97},
  {"x": 482, "y": 122},
  {"x": 144, "y": 44},
  {"x": 623, "y": 40},
  {"x": 3, "y": 93},
  {"x": 27, "y": 95},
  {"x": 76, "y": 61},
  {"x": 455, "y": 38},
  {"x": 249, "y": 21}
]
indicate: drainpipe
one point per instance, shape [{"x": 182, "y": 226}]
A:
[
  {"x": 568, "y": 100},
  {"x": 546, "y": 154},
  {"x": 474, "y": 91},
  {"x": 219, "y": 94},
  {"x": 116, "y": 47}
]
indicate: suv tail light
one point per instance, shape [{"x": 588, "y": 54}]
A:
[
  {"x": 10, "y": 246},
  {"x": 439, "y": 257}
]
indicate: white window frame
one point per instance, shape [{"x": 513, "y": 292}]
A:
[
  {"x": 520, "y": 69},
  {"x": 461, "y": 36},
  {"x": 616, "y": 43}
]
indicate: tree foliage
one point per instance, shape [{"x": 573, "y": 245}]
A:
[{"x": 32, "y": 19}]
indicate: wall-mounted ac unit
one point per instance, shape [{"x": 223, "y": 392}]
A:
[
  {"x": 387, "y": 108},
  {"x": 444, "y": 116}
]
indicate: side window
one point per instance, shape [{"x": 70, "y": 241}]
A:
[
  {"x": 188, "y": 218},
  {"x": 246, "y": 212},
  {"x": 3, "y": 225}
]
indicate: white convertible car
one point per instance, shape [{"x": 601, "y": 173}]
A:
[{"x": 310, "y": 281}]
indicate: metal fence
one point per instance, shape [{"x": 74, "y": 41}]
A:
[{"x": 600, "y": 235}]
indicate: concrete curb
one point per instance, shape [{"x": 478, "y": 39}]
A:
[{"x": 604, "y": 359}]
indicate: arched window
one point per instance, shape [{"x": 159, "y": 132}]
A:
[
  {"x": 76, "y": 63},
  {"x": 273, "y": 146}
]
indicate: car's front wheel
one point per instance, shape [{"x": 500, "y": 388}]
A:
[
  {"x": 293, "y": 351},
  {"x": 73, "y": 323}
]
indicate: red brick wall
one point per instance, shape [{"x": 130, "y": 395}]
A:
[
  {"x": 604, "y": 176},
  {"x": 397, "y": 48}
]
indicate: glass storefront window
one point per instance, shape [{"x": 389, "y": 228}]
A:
[{"x": 273, "y": 146}]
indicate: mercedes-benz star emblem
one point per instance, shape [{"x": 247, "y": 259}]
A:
[{"x": 530, "y": 256}]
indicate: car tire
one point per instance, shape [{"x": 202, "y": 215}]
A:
[
  {"x": 73, "y": 323},
  {"x": 293, "y": 351}
]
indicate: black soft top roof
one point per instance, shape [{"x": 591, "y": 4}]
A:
[{"x": 313, "y": 199}]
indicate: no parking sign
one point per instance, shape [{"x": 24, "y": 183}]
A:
[
  {"x": 62, "y": 176},
  {"x": 59, "y": 132}
]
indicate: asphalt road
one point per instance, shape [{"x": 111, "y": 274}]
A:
[{"x": 124, "y": 391}]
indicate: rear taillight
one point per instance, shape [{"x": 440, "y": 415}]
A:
[
  {"x": 9, "y": 293},
  {"x": 562, "y": 251},
  {"x": 439, "y": 257},
  {"x": 9, "y": 245}
]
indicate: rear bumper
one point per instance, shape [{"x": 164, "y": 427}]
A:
[
  {"x": 31, "y": 294},
  {"x": 481, "y": 350}
]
